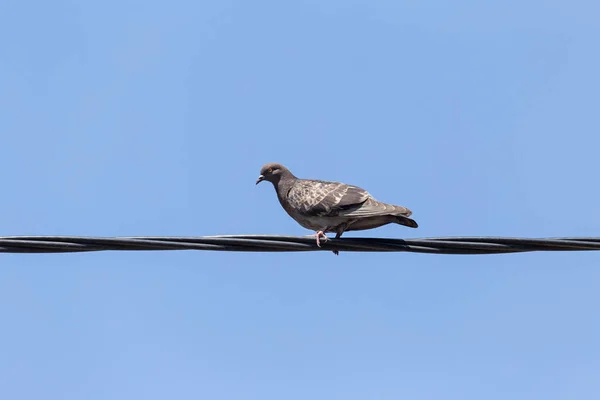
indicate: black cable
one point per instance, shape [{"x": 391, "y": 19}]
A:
[{"x": 275, "y": 243}]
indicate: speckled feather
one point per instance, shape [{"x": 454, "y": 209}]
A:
[{"x": 320, "y": 198}]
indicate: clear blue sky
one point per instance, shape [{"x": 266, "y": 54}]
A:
[{"x": 153, "y": 118}]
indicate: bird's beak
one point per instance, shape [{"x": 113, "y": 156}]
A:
[{"x": 260, "y": 179}]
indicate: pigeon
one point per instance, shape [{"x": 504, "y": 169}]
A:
[{"x": 323, "y": 206}]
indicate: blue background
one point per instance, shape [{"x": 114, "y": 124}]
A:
[{"x": 123, "y": 118}]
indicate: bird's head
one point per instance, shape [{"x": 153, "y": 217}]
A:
[{"x": 271, "y": 172}]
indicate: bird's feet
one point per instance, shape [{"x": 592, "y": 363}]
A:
[
  {"x": 337, "y": 236},
  {"x": 319, "y": 235}
]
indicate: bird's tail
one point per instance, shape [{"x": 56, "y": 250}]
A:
[
  {"x": 402, "y": 214},
  {"x": 402, "y": 220}
]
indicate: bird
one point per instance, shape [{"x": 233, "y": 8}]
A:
[{"x": 324, "y": 206}]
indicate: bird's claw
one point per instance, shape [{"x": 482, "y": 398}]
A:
[{"x": 319, "y": 235}]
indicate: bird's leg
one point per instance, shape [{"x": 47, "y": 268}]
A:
[
  {"x": 337, "y": 236},
  {"x": 319, "y": 235}
]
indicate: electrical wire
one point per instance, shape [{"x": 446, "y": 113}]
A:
[{"x": 277, "y": 243}]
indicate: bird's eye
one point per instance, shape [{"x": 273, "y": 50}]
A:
[{"x": 270, "y": 170}]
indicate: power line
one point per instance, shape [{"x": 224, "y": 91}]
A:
[{"x": 276, "y": 243}]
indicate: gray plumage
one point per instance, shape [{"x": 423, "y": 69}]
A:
[{"x": 331, "y": 206}]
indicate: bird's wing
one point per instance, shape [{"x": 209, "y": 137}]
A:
[
  {"x": 324, "y": 199},
  {"x": 372, "y": 207}
]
